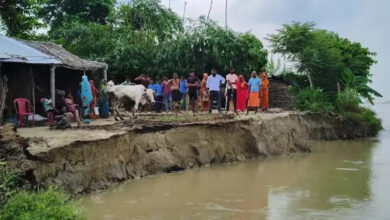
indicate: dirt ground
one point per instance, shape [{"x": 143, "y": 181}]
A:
[{"x": 42, "y": 139}]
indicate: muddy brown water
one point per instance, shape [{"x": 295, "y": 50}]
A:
[{"x": 338, "y": 180}]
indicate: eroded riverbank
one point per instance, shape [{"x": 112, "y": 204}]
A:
[{"x": 91, "y": 158}]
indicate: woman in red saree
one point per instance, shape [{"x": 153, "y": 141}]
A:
[
  {"x": 242, "y": 93},
  {"x": 95, "y": 92}
]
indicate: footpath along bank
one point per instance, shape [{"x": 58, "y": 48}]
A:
[{"x": 94, "y": 157}]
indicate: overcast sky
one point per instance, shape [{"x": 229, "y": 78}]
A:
[{"x": 365, "y": 21}]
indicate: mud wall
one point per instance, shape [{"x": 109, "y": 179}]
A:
[{"x": 86, "y": 166}]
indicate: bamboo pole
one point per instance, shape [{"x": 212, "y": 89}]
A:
[
  {"x": 3, "y": 93},
  {"x": 184, "y": 11},
  {"x": 211, "y": 6},
  {"x": 226, "y": 9},
  {"x": 32, "y": 88},
  {"x": 53, "y": 84}
]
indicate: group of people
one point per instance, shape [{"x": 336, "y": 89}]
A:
[
  {"x": 245, "y": 96},
  {"x": 93, "y": 103}
]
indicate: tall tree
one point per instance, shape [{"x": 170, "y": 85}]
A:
[
  {"x": 19, "y": 17},
  {"x": 57, "y": 12},
  {"x": 325, "y": 57}
]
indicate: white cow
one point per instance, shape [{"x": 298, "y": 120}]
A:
[{"x": 128, "y": 95}]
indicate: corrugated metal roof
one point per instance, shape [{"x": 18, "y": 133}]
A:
[{"x": 12, "y": 50}]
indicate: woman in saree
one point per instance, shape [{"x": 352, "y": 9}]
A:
[
  {"x": 102, "y": 101},
  {"x": 242, "y": 93},
  {"x": 94, "y": 98},
  {"x": 86, "y": 98},
  {"x": 264, "y": 91},
  {"x": 204, "y": 95}
]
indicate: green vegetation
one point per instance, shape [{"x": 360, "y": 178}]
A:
[
  {"x": 329, "y": 61},
  {"x": 332, "y": 73},
  {"x": 312, "y": 99},
  {"x": 20, "y": 204},
  {"x": 9, "y": 182},
  {"x": 138, "y": 37},
  {"x": 49, "y": 204}
]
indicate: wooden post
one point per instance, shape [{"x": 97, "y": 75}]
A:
[
  {"x": 53, "y": 84},
  {"x": 32, "y": 88},
  {"x": 105, "y": 74},
  {"x": 3, "y": 93}
]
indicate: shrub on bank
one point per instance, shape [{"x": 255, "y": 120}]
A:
[
  {"x": 347, "y": 105},
  {"x": 16, "y": 203},
  {"x": 366, "y": 116},
  {"x": 9, "y": 182},
  {"x": 347, "y": 101},
  {"x": 50, "y": 204},
  {"x": 312, "y": 99}
]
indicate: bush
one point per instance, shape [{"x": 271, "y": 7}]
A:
[
  {"x": 312, "y": 99},
  {"x": 367, "y": 116},
  {"x": 347, "y": 101},
  {"x": 50, "y": 204},
  {"x": 371, "y": 119},
  {"x": 9, "y": 182}
]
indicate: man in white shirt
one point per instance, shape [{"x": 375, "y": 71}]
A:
[
  {"x": 231, "y": 93},
  {"x": 213, "y": 85}
]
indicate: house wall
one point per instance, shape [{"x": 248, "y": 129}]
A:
[
  {"x": 20, "y": 83},
  {"x": 279, "y": 96}
]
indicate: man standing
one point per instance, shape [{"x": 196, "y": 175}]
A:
[
  {"x": 214, "y": 86},
  {"x": 192, "y": 85},
  {"x": 254, "y": 95},
  {"x": 231, "y": 93}
]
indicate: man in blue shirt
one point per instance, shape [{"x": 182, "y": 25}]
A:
[
  {"x": 254, "y": 93},
  {"x": 183, "y": 91},
  {"x": 214, "y": 86}
]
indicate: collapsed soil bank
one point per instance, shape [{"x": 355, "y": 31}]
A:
[{"x": 121, "y": 152}]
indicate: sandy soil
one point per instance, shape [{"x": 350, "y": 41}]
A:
[{"x": 43, "y": 139}]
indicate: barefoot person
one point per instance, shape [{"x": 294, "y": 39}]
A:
[
  {"x": 231, "y": 93},
  {"x": 192, "y": 85},
  {"x": 166, "y": 84},
  {"x": 242, "y": 93},
  {"x": 204, "y": 95},
  {"x": 254, "y": 92},
  {"x": 183, "y": 91},
  {"x": 264, "y": 91},
  {"x": 176, "y": 95}
]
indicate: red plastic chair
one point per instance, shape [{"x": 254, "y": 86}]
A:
[{"x": 20, "y": 107}]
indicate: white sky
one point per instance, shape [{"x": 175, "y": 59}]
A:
[{"x": 365, "y": 21}]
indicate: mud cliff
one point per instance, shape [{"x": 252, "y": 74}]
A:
[{"x": 83, "y": 160}]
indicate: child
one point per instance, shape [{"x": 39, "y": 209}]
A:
[{"x": 49, "y": 109}]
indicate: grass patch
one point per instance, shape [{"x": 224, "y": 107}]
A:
[{"x": 19, "y": 204}]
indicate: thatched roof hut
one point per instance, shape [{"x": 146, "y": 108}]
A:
[
  {"x": 45, "y": 66},
  {"x": 67, "y": 59}
]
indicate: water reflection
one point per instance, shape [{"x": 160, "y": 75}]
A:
[{"x": 339, "y": 180}]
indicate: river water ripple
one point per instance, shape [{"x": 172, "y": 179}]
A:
[{"x": 338, "y": 180}]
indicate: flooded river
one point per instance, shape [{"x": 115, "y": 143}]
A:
[{"x": 338, "y": 180}]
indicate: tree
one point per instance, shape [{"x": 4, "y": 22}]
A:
[
  {"x": 19, "y": 17},
  {"x": 144, "y": 37},
  {"x": 57, "y": 12},
  {"x": 324, "y": 57}
]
